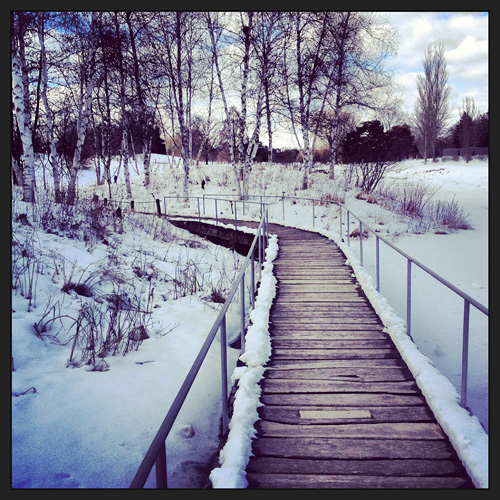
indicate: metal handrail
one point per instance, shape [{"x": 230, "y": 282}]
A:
[{"x": 156, "y": 453}]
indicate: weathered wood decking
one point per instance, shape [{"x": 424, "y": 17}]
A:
[{"x": 341, "y": 409}]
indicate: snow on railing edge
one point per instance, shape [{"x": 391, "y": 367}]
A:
[{"x": 236, "y": 452}]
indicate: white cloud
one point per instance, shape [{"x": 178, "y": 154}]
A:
[
  {"x": 465, "y": 38},
  {"x": 469, "y": 48}
]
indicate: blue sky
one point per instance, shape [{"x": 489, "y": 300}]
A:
[{"x": 465, "y": 38}]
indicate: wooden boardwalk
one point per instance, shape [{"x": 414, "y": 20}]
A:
[{"x": 341, "y": 409}]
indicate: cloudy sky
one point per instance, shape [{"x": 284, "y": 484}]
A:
[{"x": 465, "y": 38}]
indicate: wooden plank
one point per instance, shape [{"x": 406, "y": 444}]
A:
[
  {"x": 393, "y": 431},
  {"x": 337, "y": 363},
  {"x": 319, "y": 280},
  {"x": 343, "y": 327},
  {"x": 333, "y": 353},
  {"x": 334, "y": 414},
  {"x": 395, "y": 467},
  {"x": 342, "y": 399},
  {"x": 316, "y": 288},
  {"x": 331, "y": 297},
  {"x": 280, "y": 481},
  {"x": 339, "y": 374},
  {"x": 292, "y": 386},
  {"x": 290, "y": 414},
  {"x": 300, "y": 320},
  {"x": 333, "y": 314},
  {"x": 290, "y": 343},
  {"x": 343, "y": 309},
  {"x": 329, "y": 334},
  {"x": 361, "y": 449}
]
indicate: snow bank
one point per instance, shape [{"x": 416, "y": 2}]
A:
[{"x": 236, "y": 453}]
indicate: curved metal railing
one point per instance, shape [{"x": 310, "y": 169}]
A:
[{"x": 156, "y": 454}]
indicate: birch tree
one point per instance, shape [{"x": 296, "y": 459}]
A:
[
  {"x": 358, "y": 43},
  {"x": 48, "y": 112},
  {"x": 20, "y": 93},
  {"x": 215, "y": 33},
  {"x": 88, "y": 75},
  {"x": 267, "y": 42},
  {"x": 124, "y": 116},
  {"x": 137, "y": 23},
  {"x": 175, "y": 52},
  {"x": 303, "y": 55}
]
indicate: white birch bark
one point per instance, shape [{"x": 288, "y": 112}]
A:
[
  {"x": 224, "y": 102},
  {"x": 243, "y": 114},
  {"x": 83, "y": 117},
  {"x": 23, "y": 122},
  {"x": 254, "y": 143},
  {"x": 48, "y": 112}
]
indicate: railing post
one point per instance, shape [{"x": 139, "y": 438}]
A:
[
  {"x": 158, "y": 207},
  {"x": 223, "y": 370},
  {"x": 313, "y": 213},
  {"x": 267, "y": 225},
  {"x": 260, "y": 253},
  {"x": 465, "y": 353},
  {"x": 216, "y": 216},
  {"x": 199, "y": 214},
  {"x": 361, "y": 242},
  {"x": 283, "y": 203},
  {"x": 348, "y": 229},
  {"x": 408, "y": 297},
  {"x": 203, "y": 203},
  {"x": 340, "y": 217},
  {"x": 161, "y": 468},
  {"x": 242, "y": 292},
  {"x": 377, "y": 261},
  {"x": 252, "y": 281},
  {"x": 235, "y": 215}
]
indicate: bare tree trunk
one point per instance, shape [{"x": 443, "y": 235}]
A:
[
  {"x": 50, "y": 122},
  {"x": 253, "y": 144},
  {"x": 180, "y": 106},
  {"x": 23, "y": 118},
  {"x": 243, "y": 114},
  {"x": 226, "y": 109},
  {"x": 141, "y": 104},
  {"x": 209, "y": 118},
  {"x": 125, "y": 148},
  {"x": 81, "y": 126}
]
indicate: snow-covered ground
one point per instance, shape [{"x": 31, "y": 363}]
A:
[
  {"x": 90, "y": 429},
  {"x": 77, "y": 428}
]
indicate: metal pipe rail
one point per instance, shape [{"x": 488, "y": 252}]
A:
[
  {"x": 156, "y": 453},
  {"x": 468, "y": 300}
]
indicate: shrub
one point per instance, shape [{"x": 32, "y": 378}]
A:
[
  {"x": 115, "y": 324},
  {"x": 450, "y": 215}
]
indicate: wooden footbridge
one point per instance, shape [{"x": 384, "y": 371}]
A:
[{"x": 340, "y": 407}]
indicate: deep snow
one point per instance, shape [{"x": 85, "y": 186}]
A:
[{"x": 91, "y": 429}]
